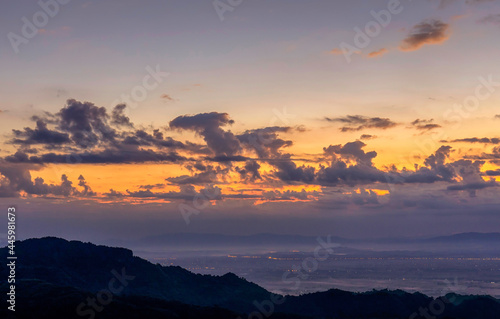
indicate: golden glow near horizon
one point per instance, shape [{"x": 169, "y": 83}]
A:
[{"x": 292, "y": 117}]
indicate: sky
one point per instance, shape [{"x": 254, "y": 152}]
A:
[{"x": 122, "y": 119}]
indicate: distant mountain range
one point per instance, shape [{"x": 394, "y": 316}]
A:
[
  {"x": 277, "y": 239},
  {"x": 55, "y": 278},
  {"x": 471, "y": 244}
]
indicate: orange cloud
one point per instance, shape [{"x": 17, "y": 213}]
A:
[
  {"x": 377, "y": 53},
  {"x": 336, "y": 51},
  {"x": 426, "y": 32}
]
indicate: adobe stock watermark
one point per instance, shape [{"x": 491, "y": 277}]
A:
[
  {"x": 140, "y": 92},
  {"x": 372, "y": 29},
  {"x": 39, "y": 20},
  {"x": 105, "y": 296},
  {"x": 302, "y": 272},
  {"x": 223, "y": 6}
]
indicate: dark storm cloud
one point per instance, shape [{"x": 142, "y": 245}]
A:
[
  {"x": 143, "y": 138},
  {"x": 342, "y": 172},
  {"x": 359, "y": 122},
  {"x": 265, "y": 142},
  {"x": 17, "y": 178},
  {"x": 471, "y": 177},
  {"x": 352, "y": 150},
  {"x": 494, "y": 155},
  {"x": 186, "y": 192},
  {"x": 349, "y": 165},
  {"x": 98, "y": 157},
  {"x": 484, "y": 140},
  {"x": 249, "y": 171},
  {"x": 118, "y": 116},
  {"x": 472, "y": 186},
  {"x": 86, "y": 123},
  {"x": 493, "y": 173},
  {"x": 208, "y": 125},
  {"x": 227, "y": 159},
  {"x": 339, "y": 173},
  {"x": 436, "y": 167},
  {"x": 87, "y": 190},
  {"x": 367, "y": 137},
  {"x": 208, "y": 176},
  {"x": 365, "y": 197},
  {"x": 426, "y": 32},
  {"x": 84, "y": 133},
  {"x": 114, "y": 194},
  {"x": 40, "y": 135},
  {"x": 425, "y": 125},
  {"x": 289, "y": 172},
  {"x": 197, "y": 166}
]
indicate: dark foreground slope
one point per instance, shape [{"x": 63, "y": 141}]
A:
[
  {"x": 89, "y": 267},
  {"x": 55, "y": 277},
  {"x": 41, "y": 300}
]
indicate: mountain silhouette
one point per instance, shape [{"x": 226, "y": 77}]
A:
[{"x": 56, "y": 276}]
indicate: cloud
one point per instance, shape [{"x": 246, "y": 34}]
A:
[
  {"x": 336, "y": 51},
  {"x": 377, "y": 53},
  {"x": 40, "y": 135},
  {"x": 484, "y": 140},
  {"x": 497, "y": 116},
  {"x": 15, "y": 179},
  {"x": 250, "y": 171},
  {"x": 472, "y": 187},
  {"x": 167, "y": 97},
  {"x": 82, "y": 132},
  {"x": 208, "y": 125},
  {"x": 85, "y": 133},
  {"x": 367, "y": 137},
  {"x": 98, "y": 157},
  {"x": 289, "y": 172},
  {"x": 425, "y": 125},
  {"x": 493, "y": 173},
  {"x": 186, "y": 193},
  {"x": 208, "y": 176},
  {"x": 114, "y": 194},
  {"x": 350, "y": 165},
  {"x": 227, "y": 159},
  {"x": 359, "y": 122},
  {"x": 351, "y": 151},
  {"x": 143, "y": 138},
  {"x": 365, "y": 197},
  {"x": 87, "y": 190},
  {"x": 265, "y": 142},
  {"x": 86, "y": 123},
  {"x": 289, "y": 195},
  {"x": 494, "y": 155},
  {"x": 426, "y": 32},
  {"x": 118, "y": 116}
]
